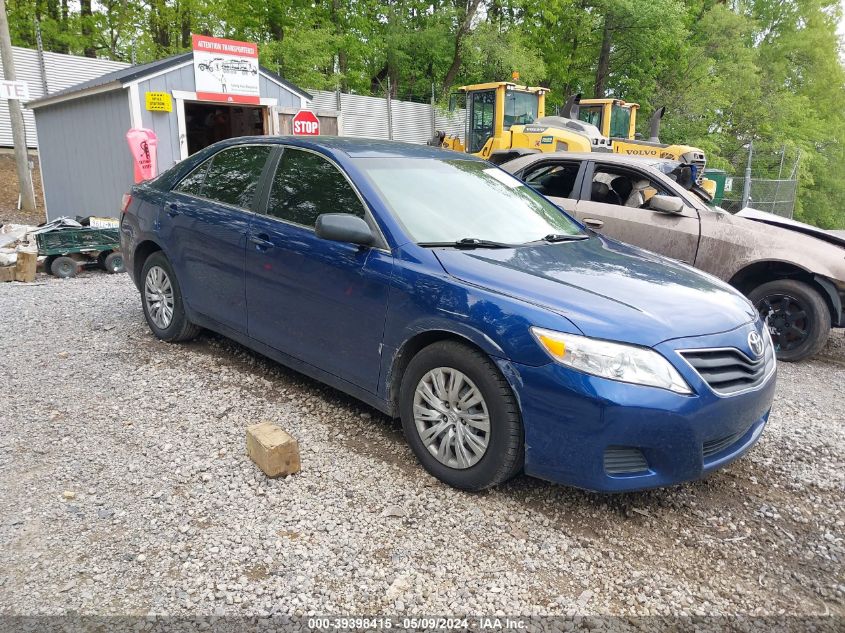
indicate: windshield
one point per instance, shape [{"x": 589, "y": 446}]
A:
[
  {"x": 520, "y": 108},
  {"x": 620, "y": 121},
  {"x": 591, "y": 114},
  {"x": 443, "y": 201}
]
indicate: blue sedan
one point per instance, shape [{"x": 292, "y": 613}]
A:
[{"x": 438, "y": 288}]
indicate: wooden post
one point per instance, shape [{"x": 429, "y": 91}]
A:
[{"x": 16, "y": 115}]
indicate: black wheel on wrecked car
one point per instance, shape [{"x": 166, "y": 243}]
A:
[
  {"x": 460, "y": 416},
  {"x": 797, "y": 316},
  {"x": 64, "y": 267},
  {"x": 113, "y": 263}
]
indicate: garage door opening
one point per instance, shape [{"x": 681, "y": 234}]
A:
[{"x": 207, "y": 123}]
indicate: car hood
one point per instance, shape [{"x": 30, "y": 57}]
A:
[
  {"x": 607, "y": 289},
  {"x": 791, "y": 225}
]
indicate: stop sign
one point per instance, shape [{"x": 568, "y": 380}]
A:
[{"x": 306, "y": 123}]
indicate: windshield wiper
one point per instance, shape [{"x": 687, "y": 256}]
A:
[
  {"x": 469, "y": 242},
  {"x": 563, "y": 237}
]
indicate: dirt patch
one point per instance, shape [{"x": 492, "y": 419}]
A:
[{"x": 9, "y": 191}]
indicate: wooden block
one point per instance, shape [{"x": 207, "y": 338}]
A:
[
  {"x": 272, "y": 449},
  {"x": 25, "y": 267},
  {"x": 7, "y": 273}
]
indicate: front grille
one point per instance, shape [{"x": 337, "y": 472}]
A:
[
  {"x": 624, "y": 460},
  {"x": 728, "y": 370},
  {"x": 717, "y": 446}
]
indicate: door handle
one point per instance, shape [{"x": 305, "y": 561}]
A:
[
  {"x": 172, "y": 209},
  {"x": 593, "y": 223},
  {"x": 261, "y": 240}
]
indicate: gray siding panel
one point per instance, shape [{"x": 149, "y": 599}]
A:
[
  {"x": 164, "y": 124},
  {"x": 85, "y": 161},
  {"x": 62, "y": 72}
]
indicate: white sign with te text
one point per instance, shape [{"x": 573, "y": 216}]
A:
[{"x": 14, "y": 90}]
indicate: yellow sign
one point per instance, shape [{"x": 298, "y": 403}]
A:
[{"x": 159, "y": 102}]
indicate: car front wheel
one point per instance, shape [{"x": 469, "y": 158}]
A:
[
  {"x": 797, "y": 316},
  {"x": 460, "y": 417},
  {"x": 161, "y": 298}
]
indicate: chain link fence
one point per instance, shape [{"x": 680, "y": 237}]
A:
[{"x": 772, "y": 187}]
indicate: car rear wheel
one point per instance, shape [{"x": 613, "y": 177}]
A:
[
  {"x": 460, "y": 417},
  {"x": 797, "y": 316},
  {"x": 161, "y": 298}
]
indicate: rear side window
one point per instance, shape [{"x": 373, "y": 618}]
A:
[
  {"x": 192, "y": 183},
  {"x": 234, "y": 173},
  {"x": 307, "y": 185},
  {"x": 230, "y": 176}
]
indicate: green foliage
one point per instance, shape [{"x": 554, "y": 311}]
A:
[{"x": 763, "y": 71}]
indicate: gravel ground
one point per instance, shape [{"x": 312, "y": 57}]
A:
[{"x": 126, "y": 490}]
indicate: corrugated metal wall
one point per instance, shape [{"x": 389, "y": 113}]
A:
[
  {"x": 367, "y": 117},
  {"x": 84, "y": 159},
  {"x": 62, "y": 71}
]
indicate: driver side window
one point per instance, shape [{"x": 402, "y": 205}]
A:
[
  {"x": 623, "y": 188},
  {"x": 553, "y": 179}
]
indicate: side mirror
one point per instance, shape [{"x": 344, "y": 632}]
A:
[
  {"x": 666, "y": 204},
  {"x": 344, "y": 227},
  {"x": 453, "y": 102}
]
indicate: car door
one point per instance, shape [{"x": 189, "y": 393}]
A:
[
  {"x": 557, "y": 179},
  {"x": 204, "y": 225},
  {"x": 320, "y": 301},
  {"x": 617, "y": 197}
]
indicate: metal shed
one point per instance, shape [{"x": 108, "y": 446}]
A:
[{"x": 85, "y": 162}]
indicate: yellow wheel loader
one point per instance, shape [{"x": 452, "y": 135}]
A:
[
  {"x": 617, "y": 120},
  {"x": 505, "y": 120}
]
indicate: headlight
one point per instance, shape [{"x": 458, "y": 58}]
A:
[{"x": 616, "y": 361}]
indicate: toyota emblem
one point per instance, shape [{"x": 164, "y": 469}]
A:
[{"x": 755, "y": 342}]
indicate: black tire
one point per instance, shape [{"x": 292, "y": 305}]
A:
[
  {"x": 504, "y": 454},
  {"x": 64, "y": 267},
  {"x": 179, "y": 327},
  {"x": 113, "y": 263},
  {"x": 48, "y": 263},
  {"x": 797, "y": 316}
]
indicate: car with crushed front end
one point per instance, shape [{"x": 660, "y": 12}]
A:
[
  {"x": 438, "y": 288},
  {"x": 792, "y": 272}
]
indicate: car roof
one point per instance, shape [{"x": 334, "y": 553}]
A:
[
  {"x": 605, "y": 157},
  {"x": 359, "y": 147}
]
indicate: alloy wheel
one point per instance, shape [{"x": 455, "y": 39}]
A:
[
  {"x": 158, "y": 295},
  {"x": 451, "y": 417},
  {"x": 786, "y": 319}
]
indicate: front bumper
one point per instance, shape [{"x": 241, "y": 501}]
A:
[{"x": 580, "y": 428}]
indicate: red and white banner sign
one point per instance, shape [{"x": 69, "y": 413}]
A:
[
  {"x": 306, "y": 123},
  {"x": 225, "y": 70}
]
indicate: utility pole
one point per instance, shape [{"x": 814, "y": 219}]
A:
[{"x": 16, "y": 115}]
